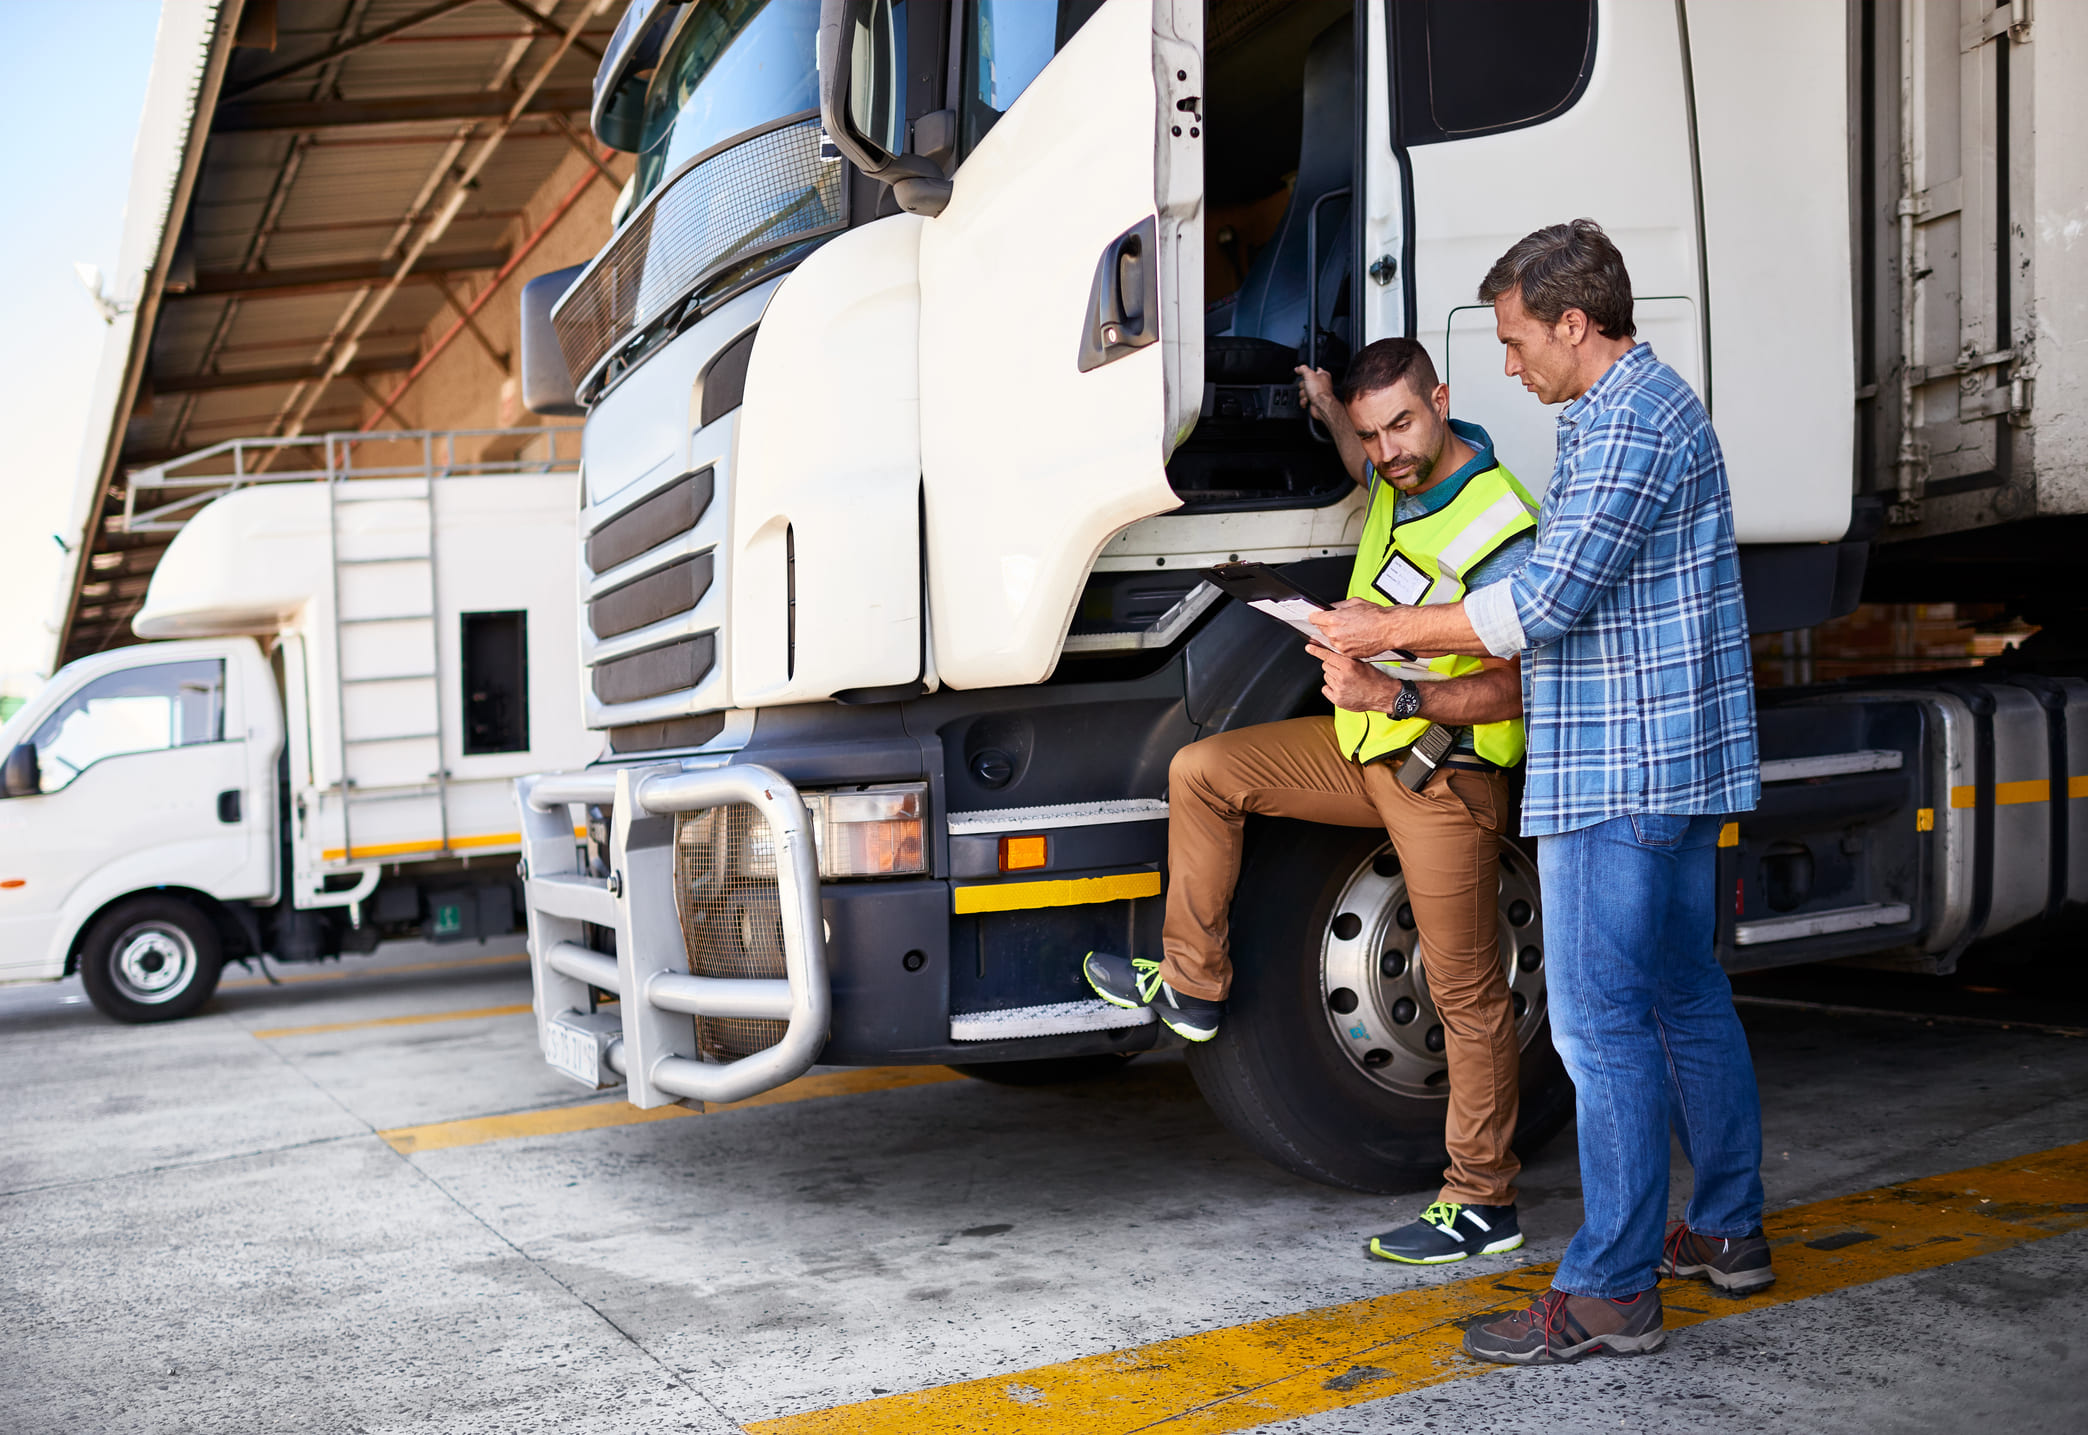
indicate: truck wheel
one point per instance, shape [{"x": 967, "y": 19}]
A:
[
  {"x": 1329, "y": 1060},
  {"x": 1049, "y": 1071},
  {"x": 150, "y": 958}
]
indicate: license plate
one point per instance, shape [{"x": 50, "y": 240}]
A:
[{"x": 574, "y": 1044}]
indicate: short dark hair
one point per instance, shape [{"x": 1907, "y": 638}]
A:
[
  {"x": 1566, "y": 266},
  {"x": 1383, "y": 364}
]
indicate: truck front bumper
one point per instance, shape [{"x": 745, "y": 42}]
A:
[{"x": 647, "y": 1036}]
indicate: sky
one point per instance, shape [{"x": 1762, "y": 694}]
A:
[{"x": 72, "y": 84}]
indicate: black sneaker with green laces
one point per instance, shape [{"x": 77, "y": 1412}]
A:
[
  {"x": 1448, "y": 1231},
  {"x": 1133, "y": 982}
]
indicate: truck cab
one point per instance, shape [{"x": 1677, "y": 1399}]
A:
[
  {"x": 147, "y": 769},
  {"x": 916, "y": 403}
]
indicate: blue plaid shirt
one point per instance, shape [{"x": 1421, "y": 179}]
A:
[{"x": 1638, "y": 691}]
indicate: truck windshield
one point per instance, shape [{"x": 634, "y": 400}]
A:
[{"x": 733, "y": 65}]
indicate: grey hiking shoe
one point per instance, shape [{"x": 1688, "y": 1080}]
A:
[
  {"x": 1562, "y": 1327},
  {"x": 1737, "y": 1265}
]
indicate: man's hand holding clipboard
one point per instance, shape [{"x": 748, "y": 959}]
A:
[{"x": 1368, "y": 684}]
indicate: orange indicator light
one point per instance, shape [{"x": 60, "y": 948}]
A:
[
  {"x": 1018, "y": 854},
  {"x": 13, "y": 882}
]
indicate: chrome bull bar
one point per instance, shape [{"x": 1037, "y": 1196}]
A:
[{"x": 648, "y": 1037}]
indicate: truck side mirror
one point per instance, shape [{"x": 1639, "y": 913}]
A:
[
  {"x": 547, "y": 384},
  {"x": 862, "y": 99},
  {"x": 21, "y": 777}
]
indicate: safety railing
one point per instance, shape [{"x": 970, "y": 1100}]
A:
[
  {"x": 185, "y": 484},
  {"x": 647, "y": 1037}
]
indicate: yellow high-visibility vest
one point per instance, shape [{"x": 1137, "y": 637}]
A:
[{"x": 1426, "y": 560}]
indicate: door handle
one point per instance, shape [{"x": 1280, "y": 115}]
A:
[
  {"x": 1123, "y": 312},
  {"x": 228, "y": 805}
]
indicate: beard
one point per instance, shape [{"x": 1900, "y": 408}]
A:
[{"x": 1422, "y": 468}]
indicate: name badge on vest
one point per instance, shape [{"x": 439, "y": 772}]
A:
[{"x": 1400, "y": 580}]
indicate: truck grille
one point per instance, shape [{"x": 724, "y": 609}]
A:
[
  {"x": 731, "y": 915},
  {"x": 743, "y": 198}
]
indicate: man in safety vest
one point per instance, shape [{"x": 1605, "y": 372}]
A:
[{"x": 1421, "y": 748}]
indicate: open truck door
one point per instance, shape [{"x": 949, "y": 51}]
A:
[{"x": 1061, "y": 295}]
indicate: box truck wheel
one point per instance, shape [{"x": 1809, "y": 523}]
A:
[
  {"x": 1046, "y": 1071},
  {"x": 1329, "y": 1061},
  {"x": 150, "y": 958}
]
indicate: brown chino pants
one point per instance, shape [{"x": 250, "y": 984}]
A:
[{"x": 1448, "y": 837}]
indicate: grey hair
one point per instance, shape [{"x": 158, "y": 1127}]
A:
[{"x": 1566, "y": 266}]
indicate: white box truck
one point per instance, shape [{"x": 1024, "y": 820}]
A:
[
  {"x": 316, "y": 751},
  {"x": 941, "y": 342}
]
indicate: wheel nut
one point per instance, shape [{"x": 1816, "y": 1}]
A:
[
  {"x": 1392, "y": 964},
  {"x": 1434, "y": 1040},
  {"x": 1404, "y": 1010}
]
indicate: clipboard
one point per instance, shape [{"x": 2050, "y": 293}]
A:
[{"x": 1265, "y": 589}]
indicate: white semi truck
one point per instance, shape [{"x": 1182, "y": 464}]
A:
[
  {"x": 317, "y": 751},
  {"x": 940, "y": 343}
]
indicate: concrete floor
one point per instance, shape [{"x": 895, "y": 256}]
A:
[{"x": 201, "y": 1230}]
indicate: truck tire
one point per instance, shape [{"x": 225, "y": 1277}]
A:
[
  {"x": 151, "y": 958},
  {"x": 1047, "y": 1071},
  {"x": 1327, "y": 1063}
]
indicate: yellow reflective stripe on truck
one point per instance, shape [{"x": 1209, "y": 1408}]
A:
[
  {"x": 2009, "y": 794},
  {"x": 1065, "y": 892},
  {"x": 432, "y": 844}
]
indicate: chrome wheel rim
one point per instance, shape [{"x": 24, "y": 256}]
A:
[
  {"x": 155, "y": 963},
  {"x": 1374, "y": 977}
]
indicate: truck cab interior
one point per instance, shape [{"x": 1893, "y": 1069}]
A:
[{"x": 1278, "y": 251}]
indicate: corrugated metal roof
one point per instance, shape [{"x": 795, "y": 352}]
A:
[{"x": 313, "y": 179}]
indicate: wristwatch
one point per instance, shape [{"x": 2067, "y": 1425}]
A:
[{"x": 1408, "y": 703}]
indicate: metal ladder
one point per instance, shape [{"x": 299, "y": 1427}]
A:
[{"x": 341, "y": 493}]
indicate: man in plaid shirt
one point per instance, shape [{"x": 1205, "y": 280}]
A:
[{"x": 1639, "y": 707}]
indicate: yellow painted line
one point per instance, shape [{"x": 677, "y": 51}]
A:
[
  {"x": 1344, "y": 1355},
  {"x": 2007, "y": 794},
  {"x": 595, "y": 1116},
  {"x": 1063, "y": 892},
  {"x": 346, "y": 973},
  {"x": 418, "y": 1019},
  {"x": 1729, "y": 835}
]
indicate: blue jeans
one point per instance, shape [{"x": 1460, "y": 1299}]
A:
[{"x": 1642, "y": 1015}]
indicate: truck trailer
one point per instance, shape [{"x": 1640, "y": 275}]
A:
[
  {"x": 941, "y": 343},
  {"x": 349, "y": 668}
]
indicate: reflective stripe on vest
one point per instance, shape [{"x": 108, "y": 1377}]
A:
[{"x": 1444, "y": 547}]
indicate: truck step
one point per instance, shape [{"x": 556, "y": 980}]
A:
[
  {"x": 1833, "y": 764},
  {"x": 1051, "y": 1019},
  {"x": 1820, "y": 924}
]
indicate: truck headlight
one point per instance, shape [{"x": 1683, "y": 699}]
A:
[{"x": 870, "y": 831}]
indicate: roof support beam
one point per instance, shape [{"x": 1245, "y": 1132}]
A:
[
  {"x": 307, "y": 116},
  {"x": 272, "y": 378},
  {"x": 325, "y": 278},
  {"x": 345, "y": 47}
]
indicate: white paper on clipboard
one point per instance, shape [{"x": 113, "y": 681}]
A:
[{"x": 1297, "y": 612}]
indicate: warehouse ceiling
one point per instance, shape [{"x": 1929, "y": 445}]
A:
[{"x": 364, "y": 165}]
